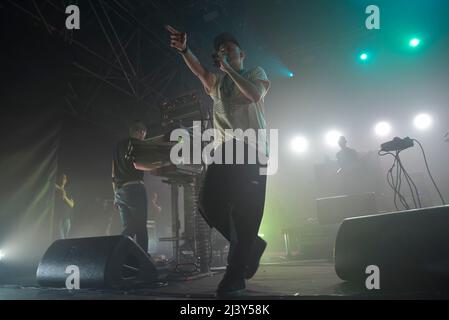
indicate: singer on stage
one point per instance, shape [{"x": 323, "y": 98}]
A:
[{"x": 233, "y": 196}]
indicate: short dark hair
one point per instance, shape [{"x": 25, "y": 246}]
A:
[
  {"x": 342, "y": 139},
  {"x": 136, "y": 127},
  {"x": 224, "y": 37},
  {"x": 60, "y": 175}
]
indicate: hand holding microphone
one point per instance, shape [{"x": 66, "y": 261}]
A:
[{"x": 221, "y": 61}]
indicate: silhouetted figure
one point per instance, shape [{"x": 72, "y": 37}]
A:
[
  {"x": 350, "y": 170},
  {"x": 347, "y": 158},
  {"x": 64, "y": 206}
]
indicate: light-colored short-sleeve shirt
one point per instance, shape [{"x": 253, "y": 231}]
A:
[{"x": 232, "y": 110}]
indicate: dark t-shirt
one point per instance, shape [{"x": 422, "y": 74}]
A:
[
  {"x": 62, "y": 209},
  {"x": 347, "y": 157},
  {"x": 124, "y": 170}
]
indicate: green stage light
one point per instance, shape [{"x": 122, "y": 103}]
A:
[
  {"x": 414, "y": 42},
  {"x": 364, "y": 56}
]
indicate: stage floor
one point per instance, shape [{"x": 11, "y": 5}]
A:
[{"x": 312, "y": 279}]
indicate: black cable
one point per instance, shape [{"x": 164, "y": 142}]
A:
[
  {"x": 401, "y": 173},
  {"x": 409, "y": 186},
  {"x": 410, "y": 181},
  {"x": 398, "y": 179},
  {"x": 399, "y": 182},
  {"x": 389, "y": 173},
  {"x": 391, "y": 184},
  {"x": 395, "y": 185},
  {"x": 428, "y": 171}
]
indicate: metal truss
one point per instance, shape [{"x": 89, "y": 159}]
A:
[{"x": 110, "y": 54}]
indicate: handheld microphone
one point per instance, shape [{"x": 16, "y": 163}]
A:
[{"x": 216, "y": 57}]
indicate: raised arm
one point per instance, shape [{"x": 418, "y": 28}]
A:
[
  {"x": 70, "y": 202},
  {"x": 178, "y": 40}
]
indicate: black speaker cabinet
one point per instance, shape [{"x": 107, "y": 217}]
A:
[
  {"x": 103, "y": 262},
  {"x": 408, "y": 246},
  {"x": 334, "y": 210}
]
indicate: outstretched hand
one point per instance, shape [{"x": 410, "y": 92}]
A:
[{"x": 178, "y": 40}]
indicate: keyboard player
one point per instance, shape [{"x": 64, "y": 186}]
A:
[{"x": 130, "y": 196}]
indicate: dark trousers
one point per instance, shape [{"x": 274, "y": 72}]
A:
[
  {"x": 64, "y": 227},
  {"x": 232, "y": 200},
  {"x": 132, "y": 203}
]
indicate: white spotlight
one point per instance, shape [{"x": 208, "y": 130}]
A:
[
  {"x": 332, "y": 137},
  {"x": 2, "y": 255},
  {"x": 382, "y": 129},
  {"x": 299, "y": 144},
  {"x": 423, "y": 121}
]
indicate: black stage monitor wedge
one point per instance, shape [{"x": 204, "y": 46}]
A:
[
  {"x": 103, "y": 262},
  {"x": 334, "y": 210},
  {"x": 407, "y": 246}
]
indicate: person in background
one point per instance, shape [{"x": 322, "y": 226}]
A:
[
  {"x": 64, "y": 205},
  {"x": 346, "y": 157}
]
